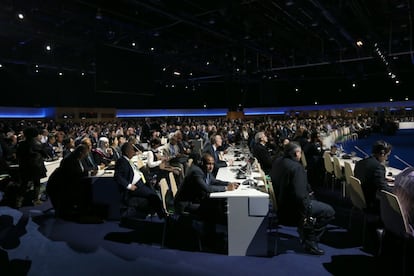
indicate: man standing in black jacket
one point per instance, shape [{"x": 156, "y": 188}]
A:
[{"x": 30, "y": 155}]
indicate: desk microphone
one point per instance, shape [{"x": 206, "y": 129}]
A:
[
  {"x": 360, "y": 150},
  {"x": 402, "y": 161}
]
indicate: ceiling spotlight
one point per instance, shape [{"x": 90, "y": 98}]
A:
[
  {"x": 177, "y": 73},
  {"x": 359, "y": 43},
  {"x": 48, "y": 48},
  {"x": 20, "y": 16}
]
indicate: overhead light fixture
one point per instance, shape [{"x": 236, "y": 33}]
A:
[{"x": 20, "y": 16}]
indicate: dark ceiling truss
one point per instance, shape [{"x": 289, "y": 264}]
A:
[{"x": 241, "y": 39}]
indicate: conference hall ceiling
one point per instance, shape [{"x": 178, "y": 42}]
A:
[{"x": 258, "y": 53}]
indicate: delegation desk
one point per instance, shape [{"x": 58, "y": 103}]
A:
[
  {"x": 105, "y": 194},
  {"x": 247, "y": 210},
  {"x": 391, "y": 172},
  {"x": 50, "y": 167}
]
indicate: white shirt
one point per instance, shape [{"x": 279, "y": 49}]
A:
[{"x": 137, "y": 173}]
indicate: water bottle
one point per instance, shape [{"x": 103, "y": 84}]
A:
[{"x": 249, "y": 169}]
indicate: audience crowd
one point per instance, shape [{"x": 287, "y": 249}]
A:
[{"x": 171, "y": 145}]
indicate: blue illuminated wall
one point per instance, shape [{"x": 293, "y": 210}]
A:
[
  {"x": 26, "y": 112},
  {"x": 136, "y": 113},
  {"x": 39, "y": 113}
]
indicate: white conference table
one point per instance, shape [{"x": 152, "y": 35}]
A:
[
  {"x": 50, "y": 167},
  {"x": 391, "y": 172},
  {"x": 247, "y": 210}
]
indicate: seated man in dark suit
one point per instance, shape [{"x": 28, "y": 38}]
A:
[
  {"x": 137, "y": 196},
  {"x": 213, "y": 148},
  {"x": 72, "y": 193},
  {"x": 371, "y": 172},
  {"x": 295, "y": 201},
  {"x": 194, "y": 194},
  {"x": 261, "y": 152}
]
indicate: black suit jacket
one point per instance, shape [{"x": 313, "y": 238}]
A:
[
  {"x": 217, "y": 162},
  {"x": 263, "y": 157},
  {"x": 371, "y": 173},
  {"x": 30, "y": 155},
  {"x": 291, "y": 189},
  {"x": 89, "y": 163},
  {"x": 123, "y": 176},
  {"x": 194, "y": 187},
  {"x": 73, "y": 182}
]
